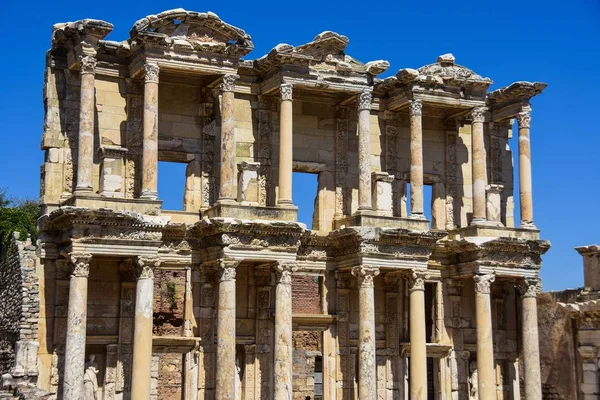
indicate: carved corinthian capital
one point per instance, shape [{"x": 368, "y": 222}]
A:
[
  {"x": 228, "y": 84},
  {"x": 144, "y": 267},
  {"x": 365, "y": 275},
  {"x": 524, "y": 118},
  {"x": 283, "y": 271},
  {"x": 483, "y": 283},
  {"x": 478, "y": 114},
  {"x": 226, "y": 269},
  {"x": 151, "y": 73},
  {"x": 80, "y": 264},
  {"x": 415, "y": 108},
  {"x": 416, "y": 279},
  {"x": 364, "y": 99},
  {"x": 530, "y": 287},
  {"x": 87, "y": 64},
  {"x": 286, "y": 91}
]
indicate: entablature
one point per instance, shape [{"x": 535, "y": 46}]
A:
[{"x": 508, "y": 101}]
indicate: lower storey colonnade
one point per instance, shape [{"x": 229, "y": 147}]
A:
[{"x": 414, "y": 380}]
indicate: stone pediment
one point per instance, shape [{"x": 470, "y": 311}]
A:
[
  {"x": 326, "y": 52},
  {"x": 189, "y": 30}
]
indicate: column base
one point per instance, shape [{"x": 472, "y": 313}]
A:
[
  {"x": 149, "y": 195},
  {"x": 84, "y": 190},
  {"x": 485, "y": 222},
  {"x": 226, "y": 200},
  {"x": 527, "y": 225},
  {"x": 420, "y": 216}
]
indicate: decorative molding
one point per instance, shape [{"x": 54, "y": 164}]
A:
[
  {"x": 226, "y": 269},
  {"x": 80, "y": 264},
  {"x": 283, "y": 271},
  {"x": 286, "y": 91},
  {"x": 365, "y": 98},
  {"x": 151, "y": 72},
  {"x": 415, "y": 108},
  {"x": 483, "y": 283},
  {"x": 144, "y": 267},
  {"x": 416, "y": 279},
  {"x": 228, "y": 84},
  {"x": 87, "y": 64},
  {"x": 365, "y": 275}
]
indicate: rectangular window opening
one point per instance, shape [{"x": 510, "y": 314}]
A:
[
  {"x": 427, "y": 201},
  {"x": 304, "y": 196},
  {"x": 171, "y": 184}
]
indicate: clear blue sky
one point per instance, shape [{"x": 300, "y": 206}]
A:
[{"x": 557, "y": 43}]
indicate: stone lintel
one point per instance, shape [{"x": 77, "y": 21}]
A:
[
  {"x": 373, "y": 220},
  {"x": 94, "y": 201},
  {"x": 252, "y": 212},
  {"x": 493, "y": 231}
]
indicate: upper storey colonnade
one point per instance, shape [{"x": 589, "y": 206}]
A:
[{"x": 191, "y": 44}]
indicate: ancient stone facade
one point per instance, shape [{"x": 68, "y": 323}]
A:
[
  {"x": 232, "y": 298},
  {"x": 569, "y": 326}
]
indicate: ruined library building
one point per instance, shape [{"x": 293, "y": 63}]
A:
[{"x": 231, "y": 297}]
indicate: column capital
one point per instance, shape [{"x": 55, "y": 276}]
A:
[
  {"x": 226, "y": 269},
  {"x": 228, "y": 84},
  {"x": 151, "y": 73},
  {"x": 365, "y": 98},
  {"x": 80, "y": 264},
  {"x": 87, "y": 64},
  {"x": 415, "y": 108},
  {"x": 524, "y": 118},
  {"x": 483, "y": 283},
  {"x": 478, "y": 114},
  {"x": 144, "y": 267},
  {"x": 416, "y": 279},
  {"x": 283, "y": 271},
  {"x": 530, "y": 287},
  {"x": 286, "y": 91},
  {"x": 365, "y": 275}
]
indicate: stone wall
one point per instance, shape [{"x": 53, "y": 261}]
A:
[
  {"x": 305, "y": 295},
  {"x": 169, "y": 294},
  {"x": 307, "y": 346},
  {"x": 19, "y": 310},
  {"x": 557, "y": 346}
]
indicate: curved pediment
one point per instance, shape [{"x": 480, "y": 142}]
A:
[
  {"x": 194, "y": 31},
  {"x": 447, "y": 70}
]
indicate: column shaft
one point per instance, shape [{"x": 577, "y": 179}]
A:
[
  {"x": 367, "y": 367},
  {"x": 525, "y": 186},
  {"x": 150, "y": 134},
  {"x": 285, "y": 146},
  {"x": 283, "y": 332},
  {"x": 531, "y": 345},
  {"x": 142, "y": 333},
  {"x": 479, "y": 169},
  {"x": 416, "y": 159},
  {"x": 76, "y": 327},
  {"x": 418, "y": 346},
  {"x": 364, "y": 151},
  {"x": 227, "y": 167},
  {"x": 485, "y": 346},
  {"x": 85, "y": 146},
  {"x": 225, "y": 383}
]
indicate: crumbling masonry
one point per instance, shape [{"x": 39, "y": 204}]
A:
[{"x": 232, "y": 298}]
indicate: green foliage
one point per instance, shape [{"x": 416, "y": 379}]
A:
[
  {"x": 17, "y": 215},
  {"x": 172, "y": 293}
]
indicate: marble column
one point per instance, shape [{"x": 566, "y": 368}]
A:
[
  {"x": 416, "y": 159},
  {"x": 364, "y": 150},
  {"x": 76, "y": 326},
  {"x": 283, "y": 330},
  {"x": 150, "y": 133},
  {"x": 485, "y": 347},
  {"x": 367, "y": 367},
  {"x": 525, "y": 191},
  {"x": 142, "y": 332},
  {"x": 418, "y": 340},
  {"x": 478, "y": 164},
  {"x": 227, "y": 175},
  {"x": 285, "y": 146},
  {"x": 531, "y": 345},
  {"x": 226, "y": 370},
  {"x": 85, "y": 145}
]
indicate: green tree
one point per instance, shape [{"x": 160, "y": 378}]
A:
[{"x": 18, "y": 215}]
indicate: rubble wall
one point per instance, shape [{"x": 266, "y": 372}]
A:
[{"x": 19, "y": 309}]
